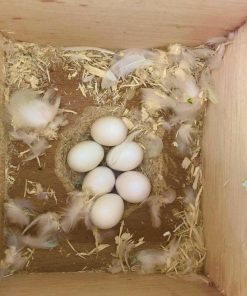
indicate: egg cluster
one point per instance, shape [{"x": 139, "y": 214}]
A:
[{"x": 124, "y": 156}]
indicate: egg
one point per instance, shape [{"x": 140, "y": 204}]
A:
[
  {"x": 125, "y": 157},
  {"x": 107, "y": 211},
  {"x": 109, "y": 131},
  {"x": 101, "y": 180},
  {"x": 133, "y": 186},
  {"x": 85, "y": 156}
]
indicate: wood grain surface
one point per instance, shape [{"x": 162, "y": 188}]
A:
[
  {"x": 120, "y": 24},
  {"x": 100, "y": 284},
  {"x": 225, "y": 168},
  {"x": 2, "y": 148}
]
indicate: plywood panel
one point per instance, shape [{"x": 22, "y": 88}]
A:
[
  {"x": 97, "y": 284},
  {"x": 122, "y": 23},
  {"x": 2, "y": 148},
  {"x": 225, "y": 168}
]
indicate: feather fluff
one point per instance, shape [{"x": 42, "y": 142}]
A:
[
  {"x": 206, "y": 83},
  {"x": 151, "y": 260},
  {"x": 154, "y": 100},
  {"x": 155, "y": 203},
  {"x": 169, "y": 196},
  {"x": 167, "y": 125},
  {"x": 15, "y": 213},
  {"x": 153, "y": 145},
  {"x": 115, "y": 266},
  {"x": 186, "y": 112},
  {"x": 30, "y": 110},
  {"x": 13, "y": 239},
  {"x": 189, "y": 195},
  {"x": 47, "y": 226},
  {"x": 130, "y": 60},
  {"x": 51, "y": 130},
  {"x": 27, "y": 138},
  {"x": 183, "y": 57},
  {"x": 186, "y": 83},
  {"x": 215, "y": 61},
  {"x": 39, "y": 242},
  {"x": 78, "y": 209},
  {"x": 185, "y": 134},
  {"x": 47, "y": 223},
  {"x": 37, "y": 148},
  {"x": 217, "y": 40},
  {"x": 202, "y": 52},
  {"x": 13, "y": 260},
  {"x": 184, "y": 138}
]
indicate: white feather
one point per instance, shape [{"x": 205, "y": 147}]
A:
[
  {"x": 153, "y": 145},
  {"x": 39, "y": 242},
  {"x": 188, "y": 60},
  {"x": 206, "y": 83},
  {"x": 30, "y": 110},
  {"x": 183, "y": 57},
  {"x": 131, "y": 60},
  {"x": 27, "y": 138},
  {"x": 189, "y": 195},
  {"x": 184, "y": 138},
  {"x": 14, "y": 259},
  {"x": 155, "y": 202},
  {"x": 13, "y": 239},
  {"x": 152, "y": 260},
  {"x": 203, "y": 52},
  {"x": 185, "y": 134},
  {"x": 155, "y": 100},
  {"x": 186, "y": 112},
  {"x": 186, "y": 83},
  {"x": 167, "y": 125},
  {"x": 37, "y": 148},
  {"x": 169, "y": 196},
  {"x": 57, "y": 122},
  {"x": 47, "y": 227},
  {"x": 215, "y": 61},
  {"x": 115, "y": 266},
  {"x": 15, "y": 213},
  {"x": 46, "y": 224},
  {"x": 78, "y": 209},
  {"x": 217, "y": 40}
]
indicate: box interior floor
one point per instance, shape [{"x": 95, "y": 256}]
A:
[
  {"x": 64, "y": 259},
  {"x": 225, "y": 144}
]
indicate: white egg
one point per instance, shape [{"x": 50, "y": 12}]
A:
[
  {"x": 133, "y": 186},
  {"x": 107, "y": 211},
  {"x": 125, "y": 157},
  {"x": 109, "y": 131},
  {"x": 85, "y": 156},
  {"x": 101, "y": 180}
]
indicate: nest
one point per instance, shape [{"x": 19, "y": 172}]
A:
[{"x": 154, "y": 168}]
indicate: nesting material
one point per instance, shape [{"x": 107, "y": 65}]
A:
[
  {"x": 161, "y": 96},
  {"x": 80, "y": 131}
]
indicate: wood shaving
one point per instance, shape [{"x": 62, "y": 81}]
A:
[
  {"x": 125, "y": 244},
  {"x": 85, "y": 254},
  {"x": 36, "y": 189}
]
